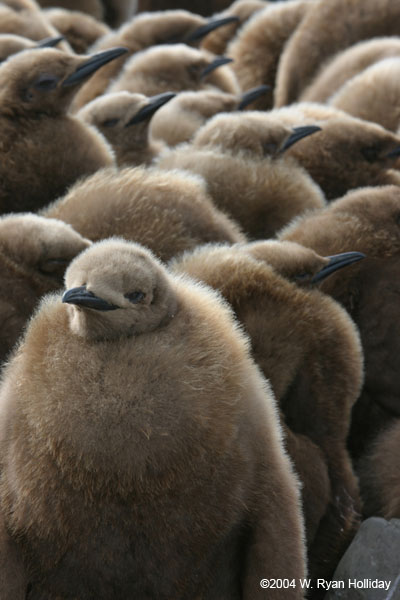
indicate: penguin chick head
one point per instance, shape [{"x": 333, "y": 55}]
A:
[
  {"x": 178, "y": 67},
  {"x": 45, "y": 246},
  {"x": 123, "y": 116},
  {"x": 117, "y": 289},
  {"x": 169, "y": 27},
  {"x": 299, "y": 264},
  {"x": 45, "y": 82},
  {"x": 254, "y": 133}
]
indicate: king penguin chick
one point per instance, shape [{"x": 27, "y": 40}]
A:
[
  {"x": 373, "y": 94},
  {"x": 179, "y": 120},
  {"x": 347, "y": 154},
  {"x": 243, "y": 159},
  {"x": 175, "y": 68},
  {"x": 217, "y": 41},
  {"x": 141, "y": 32},
  {"x": 380, "y": 475},
  {"x": 291, "y": 331},
  {"x": 135, "y": 401},
  {"x": 365, "y": 220},
  {"x": 34, "y": 253},
  {"x": 43, "y": 149},
  {"x": 24, "y": 17},
  {"x": 168, "y": 212},
  {"x": 124, "y": 118},
  {"x": 321, "y": 35},
  {"x": 348, "y": 63},
  {"x": 11, "y": 44},
  {"x": 259, "y": 43},
  {"x": 94, "y": 8},
  {"x": 81, "y": 30}
]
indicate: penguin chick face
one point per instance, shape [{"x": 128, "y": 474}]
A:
[
  {"x": 44, "y": 82},
  {"x": 348, "y": 153},
  {"x": 177, "y": 67},
  {"x": 253, "y": 133},
  {"x": 161, "y": 27},
  {"x": 123, "y": 118},
  {"x": 117, "y": 289},
  {"x": 11, "y": 44},
  {"x": 291, "y": 260},
  {"x": 45, "y": 246}
]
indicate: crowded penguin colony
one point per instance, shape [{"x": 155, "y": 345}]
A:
[{"x": 200, "y": 266}]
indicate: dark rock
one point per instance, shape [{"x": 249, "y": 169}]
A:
[{"x": 372, "y": 559}]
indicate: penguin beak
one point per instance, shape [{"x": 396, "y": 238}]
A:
[
  {"x": 82, "y": 297},
  {"x": 393, "y": 153},
  {"x": 50, "y": 42},
  {"x": 92, "y": 64},
  {"x": 199, "y": 33},
  {"x": 155, "y": 102},
  {"x": 336, "y": 262},
  {"x": 217, "y": 62},
  {"x": 251, "y": 95},
  {"x": 298, "y": 134}
]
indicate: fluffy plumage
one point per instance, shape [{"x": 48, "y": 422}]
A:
[
  {"x": 291, "y": 330},
  {"x": 154, "y": 432},
  {"x": 167, "y": 211}
]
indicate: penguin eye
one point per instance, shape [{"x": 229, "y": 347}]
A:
[
  {"x": 54, "y": 267},
  {"x": 370, "y": 153},
  {"x": 46, "y": 83},
  {"x": 135, "y": 297},
  {"x": 269, "y": 148},
  {"x": 110, "y": 122}
]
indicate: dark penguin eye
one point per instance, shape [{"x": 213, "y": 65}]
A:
[
  {"x": 135, "y": 297},
  {"x": 46, "y": 83},
  {"x": 110, "y": 122},
  {"x": 371, "y": 153}
]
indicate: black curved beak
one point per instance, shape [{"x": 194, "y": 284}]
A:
[
  {"x": 252, "y": 95},
  {"x": 82, "y": 297},
  {"x": 393, "y": 153},
  {"x": 155, "y": 102},
  {"x": 336, "y": 262},
  {"x": 50, "y": 42},
  {"x": 217, "y": 62},
  {"x": 298, "y": 134},
  {"x": 201, "y": 32},
  {"x": 92, "y": 64}
]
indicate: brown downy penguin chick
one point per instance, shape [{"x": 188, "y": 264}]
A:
[
  {"x": 79, "y": 29},
  {"x": 349, "y": 153},
  {"x": 259, "y": 44},
  {"x": 11, "y": 44},
  {"x": 24, "y": 18},
  {"x": 144, "y": 31},
  {"x": 114, "y": 12},
  {"x": 180, "y": 119},
  {"x": 168, "y": 212},
  {"x": 139, "y": 407},
  {"x": 175, "y": 68},
  {"x": 43, "y": 149},
  {"x": 94, "y": 8},
  {"x": 217, "y": 41},
  {"x": 347, "y": 64},
  {"x": 373, "y": 95},
  {"x": 124, "y": 118},
  {"x": 243, "y": 159},
  {"x": 380, "y": 475},
  {"x": 366, "y": 220},
  {"x": 309, "y": 349},
  {"x": 322, "y": 34},
  {"x": 34, "y": 253}
]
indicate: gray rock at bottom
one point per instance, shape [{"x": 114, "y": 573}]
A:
[{"x": 373, "y": 556}]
